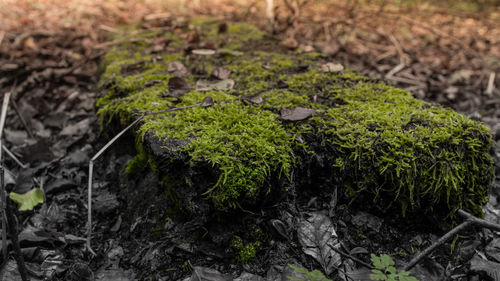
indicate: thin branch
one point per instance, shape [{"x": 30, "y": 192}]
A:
[
  {"x": 469, "y": 221},
  {"x": 23, "y": 121},
  {"x": 3, "y": 198},
  {"x": 11, "y": 155}
]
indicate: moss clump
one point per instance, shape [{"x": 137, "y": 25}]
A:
[
  {"x": 245, "y": 143},
  {"x": 246, "y": 252},
  {"x": 380, "y": 144}
]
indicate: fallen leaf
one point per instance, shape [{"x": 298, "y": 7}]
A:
[
  {"x": 296, "y": 114},
  {"x": 289, "y": 43},
  {"x": 208, "y": 101},
  {"x": 318, "y": 239},
  {"x": 489, "y": 268},
  {"x": 255, "y": 99},
  {"x": 245, "y": 276},
  {"x": 221, "y": 73},
  {"x": 177, "y": 87},
  {"x": 208, "y": 274},
  {"x": 307, "y": 48},
  {"x": 223, "y": 85},
  {"x": 366, "y": 220},
  {"x": 30, "y": 43},
  {"x": 177, "y": 68},
  {"x": 331, "y": 67},
  {"x": 28, "y": 200}
]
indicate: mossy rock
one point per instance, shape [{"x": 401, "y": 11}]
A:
[{"x": 376, "y": 143}]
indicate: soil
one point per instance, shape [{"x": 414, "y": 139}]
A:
[{"x": 446, "y": 57}]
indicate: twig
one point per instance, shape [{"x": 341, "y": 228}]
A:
[
  {"x": 491, "y": 84},
  {"x": 21, "y": 266},
  {"x": 23, "y": 121},
  {"x": 403, "y": 58},
  {"x": 2, "y": 35},
  {"x": 395, "y": 70},
  {"x": 469, "y": 220},
  {"x": 3, "y": 198},
  {"x": 11, "y": 155}
]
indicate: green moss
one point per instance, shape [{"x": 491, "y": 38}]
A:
[
  {"x": 420, "y": 153},
  {"x": 246, "y": 252},
  {"x": 383, "y": 145},
  {"x": 137, "y": 164},
  {"x": 246, "y": 144}
]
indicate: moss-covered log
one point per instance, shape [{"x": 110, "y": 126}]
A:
[{"x": 377, "y": 143}]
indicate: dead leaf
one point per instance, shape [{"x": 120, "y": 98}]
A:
[
  {"x": 208, "y": 274},
  {"x": 289, "y": 43},
  {"x": 30, "y": 43},
  {"x": 177, "y": 87},
  {"x": 221, "y": 73},
  {"x": 331, "y": 67},
  {"x": 296, "y": 114},
  {"x": 318, "y": 239},
  {"x": 208, "y": 101},
  {"x": 177, "y": 68},
  {"x": 223, "y": 85},
  {"x": 255, "y": 99},
  {"x": 307, "y": 48},
  {"x": 489, "y": 268},
  {"x": 133, "y": 68}
]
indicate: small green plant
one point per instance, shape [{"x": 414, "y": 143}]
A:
[
  {"x": 314, "y": 275},
  {"x": 385, "y": 270}
]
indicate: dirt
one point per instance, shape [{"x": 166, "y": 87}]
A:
[{"x": 447, "y": 58}]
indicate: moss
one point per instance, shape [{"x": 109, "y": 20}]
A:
[
  {"x": 137, "y": 164},
  {"x": 382, "y": 145},
  {"x": 421, "y": 154},
  {"x": 246, "y": 144},
  {"x": 246, "y": 252}
]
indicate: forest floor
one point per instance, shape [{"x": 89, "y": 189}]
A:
[{"x": 49, "y": 61}]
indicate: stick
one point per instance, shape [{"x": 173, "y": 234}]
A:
[
  {"x": 21, "y": 266},
  {"x": 469, "y": 220},
  {"x": 23, "y": 121},
  {"x": 3, "y": 198},
  {"x": 2, "y": 35},
  {"x": 11, "y": 155},
  {"x": 91, "y": 169},
  {"x": 491, "y": 84}
]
